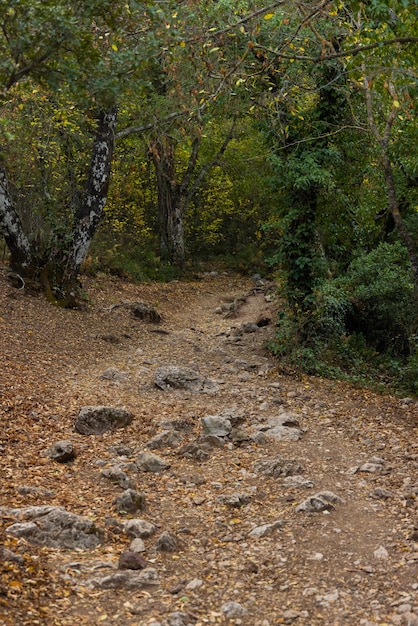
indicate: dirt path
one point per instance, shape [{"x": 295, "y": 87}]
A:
[{"x": 355, "y": 563}]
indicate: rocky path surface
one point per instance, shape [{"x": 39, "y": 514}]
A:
[{"x": 233, "y": 493}]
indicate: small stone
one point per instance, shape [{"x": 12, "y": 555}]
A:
[
  {"x": 195, "y": 452},
  {"x": 61, "y": 451},
  {"x": 130, "y": 501},
  {"x": 266, "y": 529},
  {"x": 137, "y": 545},
  {"x": 112, "y": 373},
  {"x": 178, "y": 618},
  {"x": 12, "y": 557},
  {"x": 194, "y": 584},
  {"x": 150, "y": 462},
  {"x": 139, "y": 528},
  {"x": 131, "y": 560},
  {"x": 322, "y": 501},
  {"x": 166, "y": 542},
  {"x": 118, "y": 477},
  {"x": 96, "y": 420},
  {"x": 232, "y": 610},
  {"x": 128, "y": 580},
  {"x": 208, "y": 442},
  {"x": 381, "y": 494},
  {"x": 381, "y": 554},
  {"x": 216, "y": 425},
  {"x": 370, "y": 468},
  {"x": 278, "y": 467},
  {"x": 234, "y": 500},
  {"x": 290, "y": 616},
  {"x": 298, "y": 482},
  {"x": 165, "y": 439}
]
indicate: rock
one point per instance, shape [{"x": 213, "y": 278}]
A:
[
  {"x": 166, "y": 542},
  {"x": 54, "y": 527},
  {"x": 11, "y": 557},
  {"x": 112, "y": 373},
  {"x": 235, "y": 500},
  {"x": 128, "y": 580},
  {"x": 322, "y": 501},
  {"x": 120, "y": 449},
  {"x": 382, "y": 494},
  {"x": 283, "y": 419},
  {"x": 194, "y": 584},
  {"x": 28, "y": 490},
  {"x": 118, "y": 477},
  {"x": 137, "y": 545},
  {"x": 145, "y": 312},
  {"x": 291, "y": 615},
  {"x": 209, "y": 442},
  {"x": 150, "y": 462},
  {"x": 375, "y": 464},
  {"x": 298, "y": 482},
  {"x": 249, "y": 327},
  {"x": 239, "y": 435},
  {"x": 131, "y": 560},
  {"x": 217, "y": 425},
  {"x": 178, "y": 618},
  {"x": 165, "y": 439},
  {"x": 381, "y": 554},
  {"x": 96, "y": 420},
  {"x": 284, "y": 433},
  {"x": 130, "y": 501},
  {"x": 266, "y": 529},
  {"x": 139, "y": 528},
  {"x": 232, "y": 610},
  {"x": 278, "y": 467},
  {"x": 174, "y": 377},
  {"x": 195, "y": 452},
  {"x": 283, "y": 427},
  {"x": 61, "y": 451}
]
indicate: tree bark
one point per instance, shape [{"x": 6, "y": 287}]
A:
[
  {"x": 175, "y": 196},
  {"x": 170, "y": 207},
  {"x": 10, "y": 224},
  {"x": 88, "y": 215}
]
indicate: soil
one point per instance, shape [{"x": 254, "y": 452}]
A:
[{"x": 316, "y": 568}]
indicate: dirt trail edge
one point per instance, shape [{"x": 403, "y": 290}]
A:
[{"x": 265, "y": 498}]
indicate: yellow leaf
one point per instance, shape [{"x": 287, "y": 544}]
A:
[
  {"x": 182, "y": 44},
  {"x": 396, "y": 104},
  {"x": 102, "y": 618},
  {"x": 15, "y": 583},
  {"x": 268, "y": 16},
  {"x": 114, "y": 47}
]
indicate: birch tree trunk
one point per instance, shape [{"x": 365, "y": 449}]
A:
[{"x": 88, "y": 216}]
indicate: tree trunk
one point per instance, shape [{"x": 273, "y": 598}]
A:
[
  {"x": 174, "y": 196},
  {"x": 170, "y": 202},
  {"x": 10, "y": 224},
  {"x": 87, "y": 218}
]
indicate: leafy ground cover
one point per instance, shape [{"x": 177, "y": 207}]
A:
[{"x": 352, "y": 563}]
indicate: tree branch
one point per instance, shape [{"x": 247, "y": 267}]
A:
[{"x": 337, "y": 55}]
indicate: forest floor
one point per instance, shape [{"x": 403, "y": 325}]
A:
[{"x": 355, "y": 563}]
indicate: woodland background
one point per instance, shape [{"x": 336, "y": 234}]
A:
[{"x": 153, "y": 140}]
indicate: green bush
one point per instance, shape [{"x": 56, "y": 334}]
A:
[
  {"x": 361, "y": 327},
  {"x": 380, "y": 287}
]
